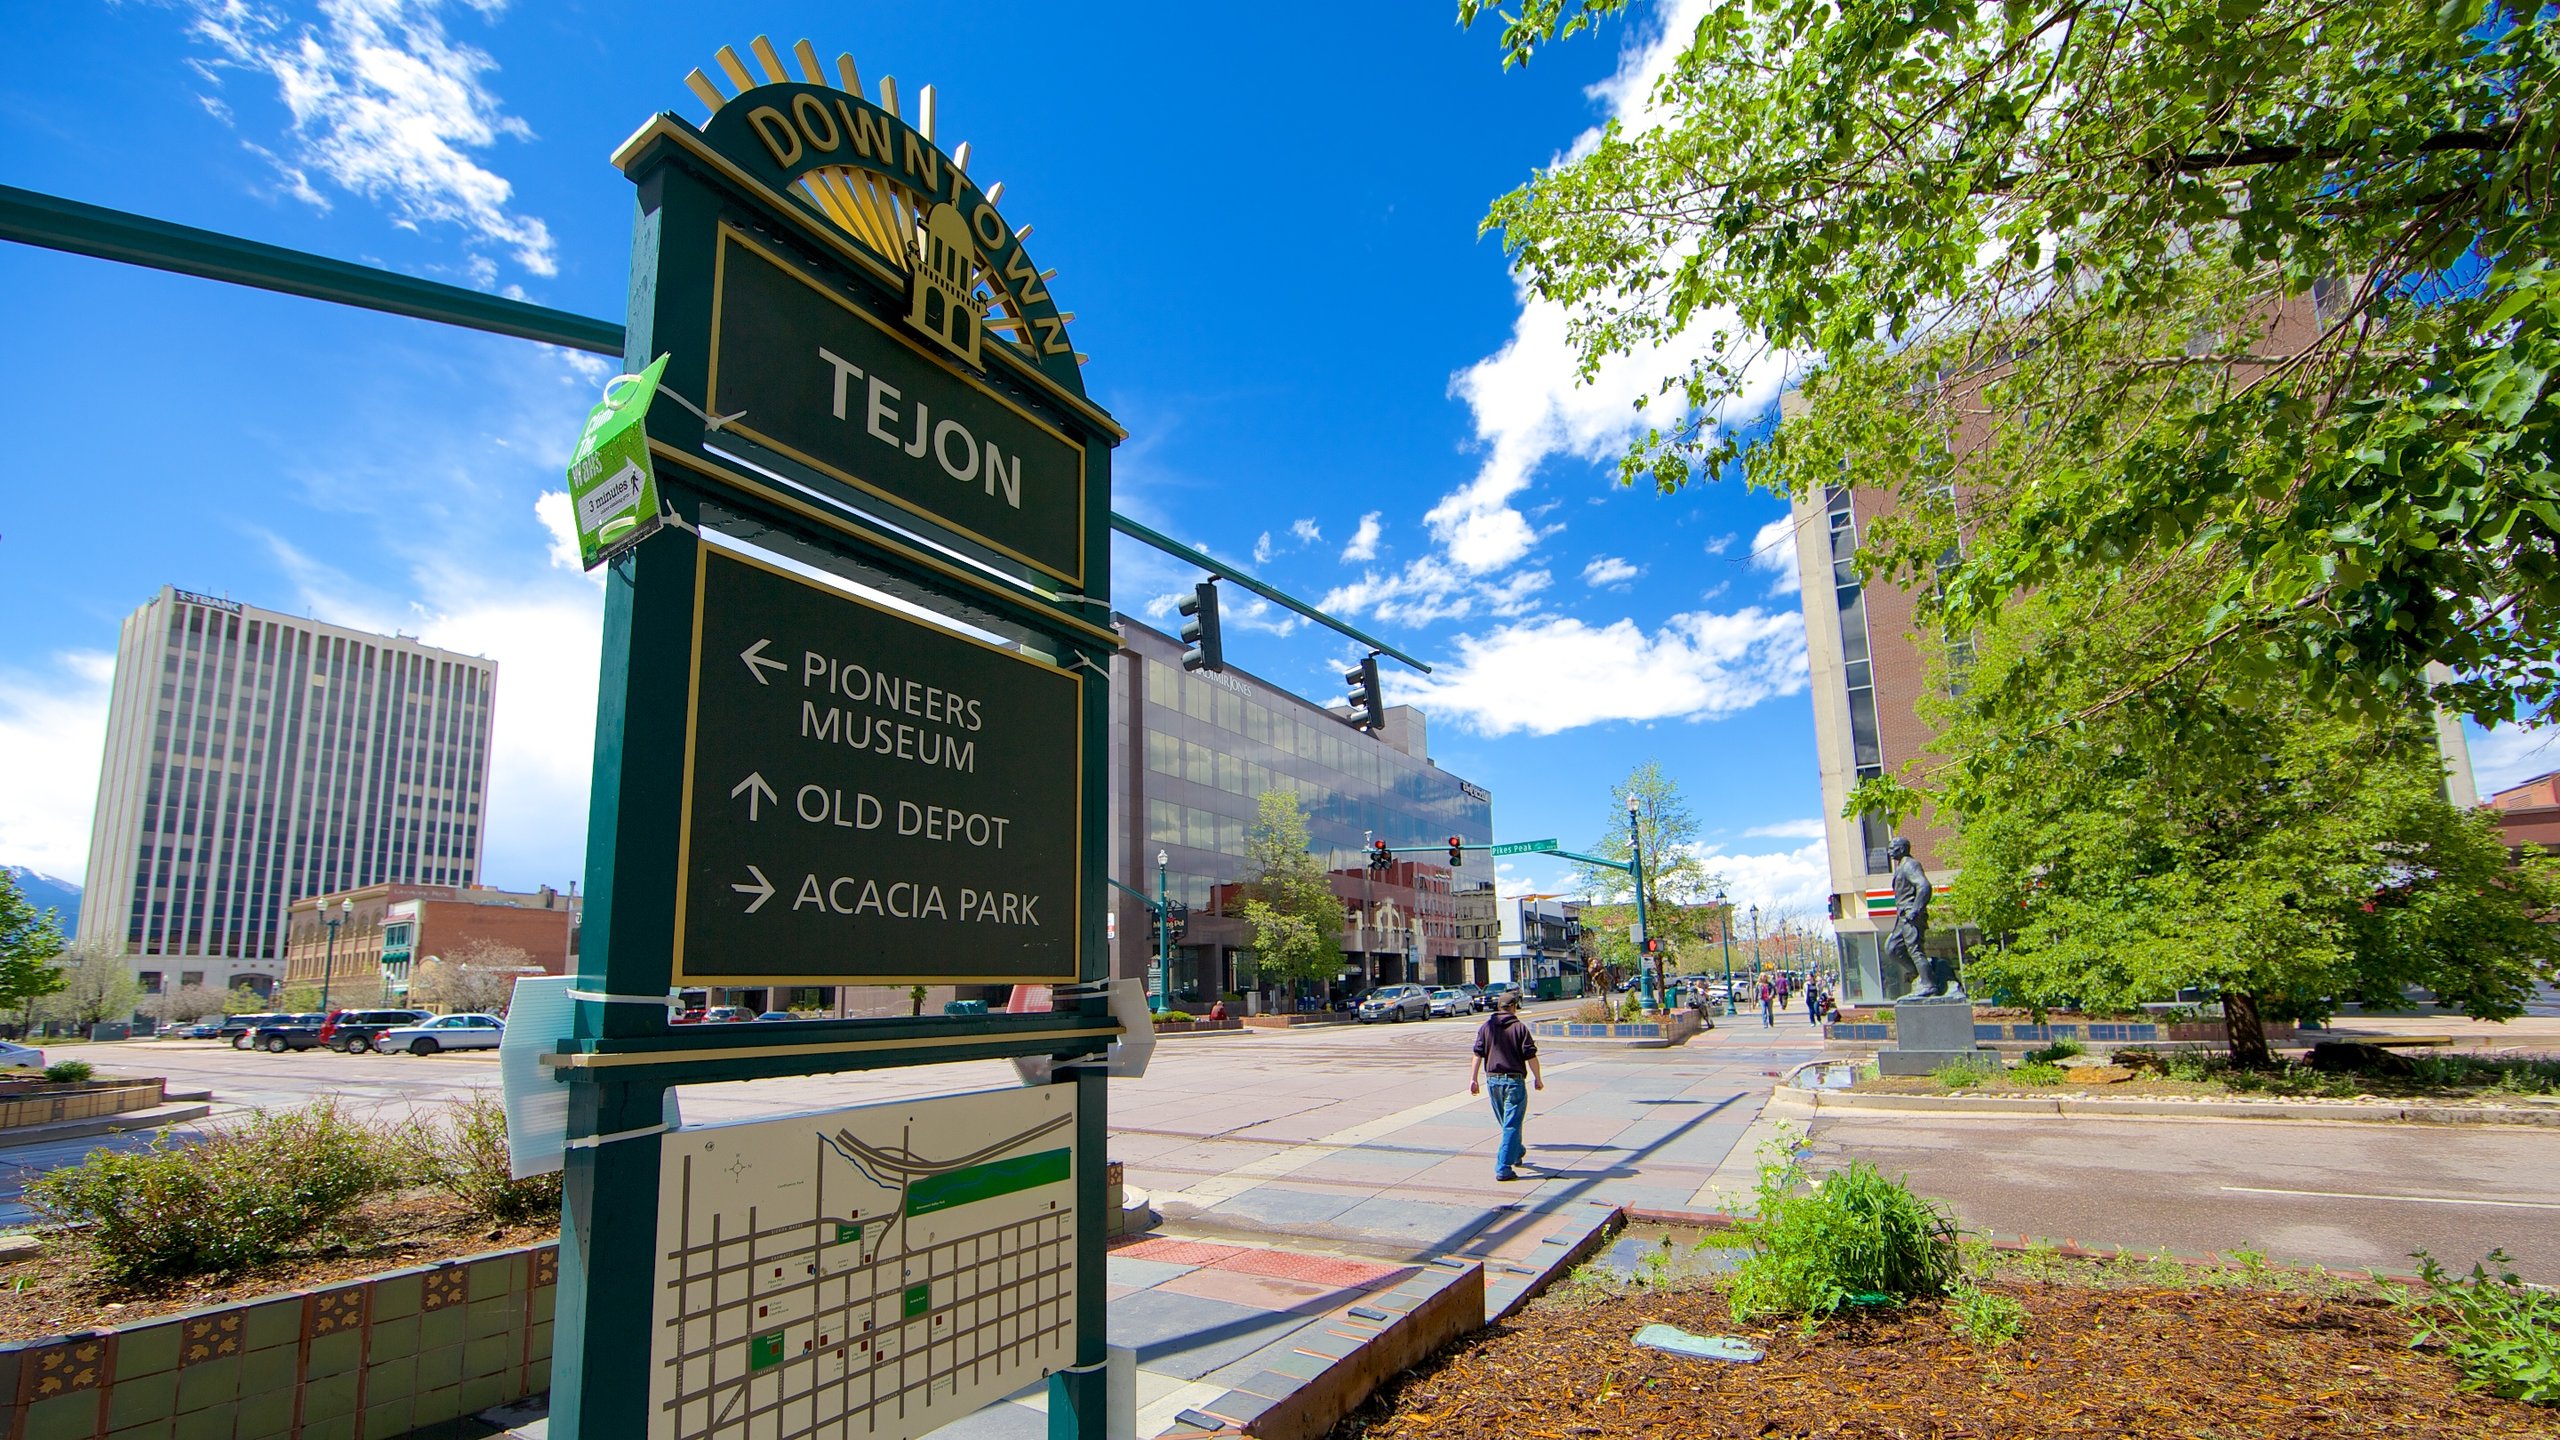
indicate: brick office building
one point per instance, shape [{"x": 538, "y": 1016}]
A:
[{"x": 386, "y": 931}]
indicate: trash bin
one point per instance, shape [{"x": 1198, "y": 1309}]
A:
[
  {"x": 111, "y": 1030},
  {"x": 964, "y": 1007}
]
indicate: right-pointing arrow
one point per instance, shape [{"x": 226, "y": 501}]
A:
[
  {"x": 752, "y": 787},
  {"x": 762, "y": 890}
]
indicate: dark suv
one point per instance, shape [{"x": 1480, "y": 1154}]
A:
[
  {"x": 242, "y": 1030},
  {"x": 276, "y": 1034},
  {"x": 353, "y": 1030}
]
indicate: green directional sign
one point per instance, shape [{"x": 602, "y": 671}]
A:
[
  {"x": 850, "y": 395},
  {"x": 613, "y": 492},
  {"x": 1523, "y": 847},
  {"x": 868, "y": 797}
]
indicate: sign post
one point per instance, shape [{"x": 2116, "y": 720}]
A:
[{"x": 846, "y": 734}]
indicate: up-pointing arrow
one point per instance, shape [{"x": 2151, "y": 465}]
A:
[
  {"x": 762, "y": 890},
  {"x": 757, "y": 664},
  {"x": 752, "y": 787}
]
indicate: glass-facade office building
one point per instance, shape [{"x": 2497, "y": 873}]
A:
[{"x": 1191, "y": 757}]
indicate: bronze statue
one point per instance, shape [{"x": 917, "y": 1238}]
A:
[{"x": 1907, "y": 944}]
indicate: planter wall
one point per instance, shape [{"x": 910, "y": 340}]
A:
[
  {"x": 1676, "y": 1030},
  {"x": 53, "y": 1104},
  {"x": 1874, "y": 1027},
  {"x": 1284, "y": 1022},
  {"x": 361, "y": 1360}
]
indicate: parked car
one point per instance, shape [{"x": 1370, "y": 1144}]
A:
[
  {"x": 1395, "y": 1003},
  {"x": 726, "y": 1014},
  {"x": 284, "y": 1032},
  {"x": 1477, "y": 999},
  {"x": 1494, "y": 992},
  {"x": 468, "y": 1031},
  {"x": 16, "y": 1056},
  {"x": 238, "y": 1029},
  {"x": 201, "y": 1030},
  {"x": 1448, "y": 1002},
  {"x": 353, "y": 1031},
  {"x": 777, "y": 1015}
]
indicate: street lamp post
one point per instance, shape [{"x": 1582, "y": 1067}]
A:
[
  {"x": 1759, "y": 967},
  {"x": 1644, "y": 928},
  {"x": 1164, "y": 957},
  {"x": 1724, "y": 931},
  {"x": 329, "y": 963}
]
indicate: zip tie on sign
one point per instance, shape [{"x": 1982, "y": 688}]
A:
[
  {"x": 672, "y": 1000},
  {"x": 713, "y": 423},
  {"x": 1080, "y": 658},
  {"x": 589, "y": 1142}
]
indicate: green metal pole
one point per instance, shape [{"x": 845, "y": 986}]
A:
[
  {"x": 1164, "y": 955},
  {"x": 328, "y": 966},
  {"x": 1635, "y": 867},
  {"x": 1724, "y": 929}
]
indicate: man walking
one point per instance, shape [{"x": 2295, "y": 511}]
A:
[{"x": 1506, "y": 1054}]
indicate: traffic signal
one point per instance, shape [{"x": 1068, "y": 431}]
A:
[
  {"x": 1457, "y": 852},
  {"x": 1381, "y": 859},
  {"x": 1365, "y": 710},
  {"x": 1177, "y": 920},
  {"x": 1202, "y": 649}
]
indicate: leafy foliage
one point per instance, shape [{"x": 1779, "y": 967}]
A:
[
  {"x": 2504, "y": 1334},
  {"x": 462, "y": 1150},
  {"x": 69, "y": 1072},
  {"x": 2053, "y": 1054},
  {"x": 30, "y": 940},
  {"x": 1293, "y": 920},
  {"x": 1985, "y": 1319},
  {"x": 1854, "y": 1236},
  {"x": 2257, "y": 292},
  {"x": 233, "y": 1200},
  {"x": 1957, "y": 1075},
  {"x": 94, "y": 983}
]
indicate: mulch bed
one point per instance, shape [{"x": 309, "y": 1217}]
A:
[
  {"x": 2120, "y": 1362},
  {"x": 2157, "y": 1087},
  {"x": 60, "y": 1291}
]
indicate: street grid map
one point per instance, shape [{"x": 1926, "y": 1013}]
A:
[{"x": 872, "y": 1272}]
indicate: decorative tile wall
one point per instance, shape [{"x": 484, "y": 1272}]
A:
[{"x": 364, "y": 1360}]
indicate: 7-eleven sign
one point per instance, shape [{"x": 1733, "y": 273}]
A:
[{"x": 1880, "y": 902}]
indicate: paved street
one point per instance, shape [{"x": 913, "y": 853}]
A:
[{"x": 2305, "y": 1191}]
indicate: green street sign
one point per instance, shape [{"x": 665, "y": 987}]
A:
[
  {"x": 1523, "y": 847},
  {"x": 612, "y": 491},
  {"x": 851, "y": 396},
  {"x": 869, "y": 798}
]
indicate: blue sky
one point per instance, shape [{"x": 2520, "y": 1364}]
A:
[{"x": 1266, "y": 228}]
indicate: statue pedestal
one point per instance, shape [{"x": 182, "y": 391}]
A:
[{"x": 1930, "y": 1033}]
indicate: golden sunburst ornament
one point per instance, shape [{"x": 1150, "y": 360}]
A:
[{"x": 883, "y": 210}]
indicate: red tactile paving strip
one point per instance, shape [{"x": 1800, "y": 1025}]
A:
[
  {"x": 1327, "y": 1270},
  {"x": 1179, "y": 1252}
]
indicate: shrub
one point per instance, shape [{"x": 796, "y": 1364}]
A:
[
  {"x": 463, "y": 1152},
  {"x": 1173, "y": 1016},
  {"x": 1956, "y": 1075},
  {"x": 235, "y": 1199},
  {"x": 1983, "y": 1318},
  {"x": 2055, "y": 1053},
  {"x": 2505, "y": 1337},
  {"x": 2039, "y": 1073},
  {"x": 1854, "y": 1237},
  {"x": 69, "y": 1071}
]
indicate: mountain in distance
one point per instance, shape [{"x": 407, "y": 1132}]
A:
[{"x": 46, "y": 893}]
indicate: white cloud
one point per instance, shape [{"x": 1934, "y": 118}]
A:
[
  {"x": 1721, "y": 544},
  {"x": 1609, "y": 570},
  {"x": 1773, "y": 550},
  {"x": 53, "y": 729},
  {"x": 1306, "y": 531},
  {"x": 2511, "y": 755},
  {"x": 1262, "y": 549},
  {"x": 385, "y": 106},
  {"x": 1797, "y": 880},
  {"x": 1787, "y": 830},
  {"x": 1698, "y": 666},
  {"x": 1364, "y": 541}
]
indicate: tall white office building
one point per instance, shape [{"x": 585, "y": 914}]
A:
[{"x": 254, "y": 759}]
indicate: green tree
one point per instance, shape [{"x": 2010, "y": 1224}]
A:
[
  {"x": 2257, "y": 294},
  {"x": 1675, "y": 878},
  {"x": 97, "y": 984},
  {"x": 2269, "y": 849},
  {"x": 30, "y": 946},
  {"x": 1293, "y": 920}
]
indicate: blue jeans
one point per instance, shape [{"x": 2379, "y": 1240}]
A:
[{"x": 1510, "y": 1096}]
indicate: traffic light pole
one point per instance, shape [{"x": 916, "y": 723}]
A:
[{"x": 1646, "y": 963}]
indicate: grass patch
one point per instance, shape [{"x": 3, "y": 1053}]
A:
[
  {"x": 2055, "y": 1053},
  {"x": 1984, "y": 1319},
  {"x": 1957, "y": 1075},
  {"x": 69, "y": 1071},
  {"x": 2041, "y": 1074},
  {"x": 2504, "y": 1335}
]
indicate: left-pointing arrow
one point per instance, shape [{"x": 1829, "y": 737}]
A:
[
  {"x": 762, "y": 890},
  {"x": 757, "y": 664},
  {"x": 753, "y": 787}
]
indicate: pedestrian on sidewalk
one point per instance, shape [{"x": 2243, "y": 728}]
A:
[
  {"x": 1813, "y": 1002},
  {"x": 1768, "y": 1003},
  {"x": 1506, "y": 1056}
]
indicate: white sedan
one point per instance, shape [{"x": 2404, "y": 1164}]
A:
[
  {"x": 1449, "y": 1002},
  {"x": 445, "y": 1032}
]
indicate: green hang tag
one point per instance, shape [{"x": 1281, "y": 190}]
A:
[{"x": 612, "y": 490}]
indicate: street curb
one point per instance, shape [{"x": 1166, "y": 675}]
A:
[
  {"x": 2181, "y": 1109},
  {"x": 152, "y": 1119}
]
